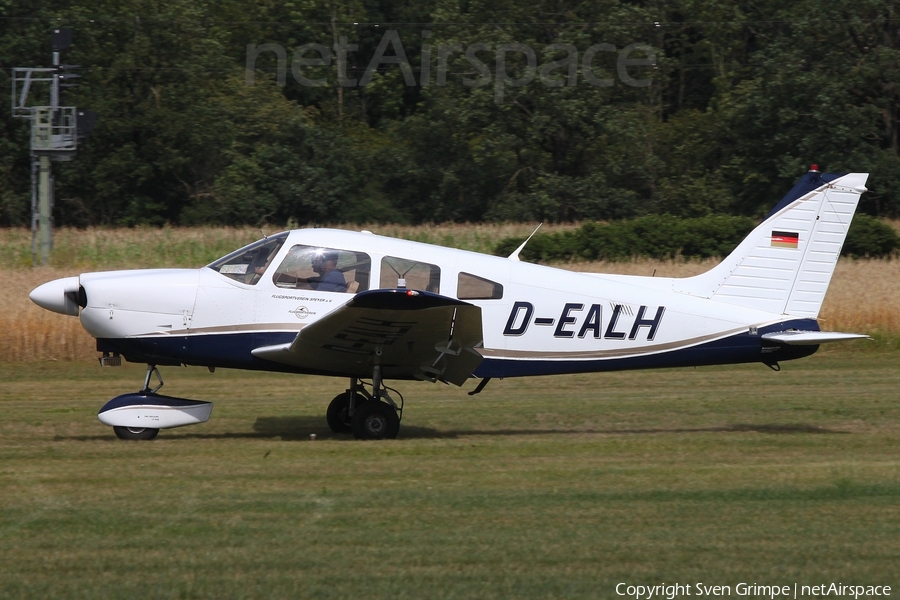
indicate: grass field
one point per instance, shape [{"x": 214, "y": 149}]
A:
[{"x": 539, "y": 488}]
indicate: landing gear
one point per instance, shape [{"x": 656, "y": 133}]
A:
[
  {"x": 140, "y": 415},
  {"x": 141, "y": 433},
  {"x": 151, "y": 370},
  {"x": 135, "y": 433},
  {"x": 338, "y": 414},
  {"x": 376, "y": 421},
  {"x": 368, "y": 416}
]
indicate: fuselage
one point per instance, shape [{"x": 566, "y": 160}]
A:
[{"x": 536, "y": 319}]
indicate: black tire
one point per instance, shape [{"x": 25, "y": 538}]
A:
[
  {"x": 376, "y": 421},
  {"x": 135, "y": 433},
  {"x": 338, "y": 413}
]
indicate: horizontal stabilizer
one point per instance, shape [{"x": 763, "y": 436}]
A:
[{"x": 812, "y": 338}]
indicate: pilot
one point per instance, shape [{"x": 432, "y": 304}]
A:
[{"x": 329, "y": 279}]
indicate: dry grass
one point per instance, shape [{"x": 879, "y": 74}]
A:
[
  {"x": 864, "y": 295},
  {"x": 29, "y": 332}
]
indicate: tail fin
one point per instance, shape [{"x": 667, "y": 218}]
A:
[{"x": 785, "y": 265}]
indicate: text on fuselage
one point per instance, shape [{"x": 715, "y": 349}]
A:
[{"x": 577, "y": 321}]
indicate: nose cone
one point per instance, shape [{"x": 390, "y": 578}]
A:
[{"x": 59, "y": 295}]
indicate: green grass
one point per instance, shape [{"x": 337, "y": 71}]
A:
[
  {"x": 122, "y": 248},
  {"x": 537, "y": 488},
  {"x": 99, "y": 248}
]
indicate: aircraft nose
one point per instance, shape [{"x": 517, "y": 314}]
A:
[{"x": 59, "y": 295}]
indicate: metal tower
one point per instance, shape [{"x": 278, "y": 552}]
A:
[{"x": 55, "y": 131}]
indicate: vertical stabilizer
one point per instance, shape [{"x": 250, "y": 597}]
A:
[{"x": 785, "y": 265}]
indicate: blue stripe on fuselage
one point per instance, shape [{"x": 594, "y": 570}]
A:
[
  {"x": 226, "y": 350},
  {"x": 740, "y": 348},
  {"x": 234, "y": 351}
]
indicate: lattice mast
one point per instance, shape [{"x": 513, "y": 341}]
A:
[{"x": 55, "y": 131}]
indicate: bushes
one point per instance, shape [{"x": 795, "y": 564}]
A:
[
  {"x": 666, "y": 236},
  {"x": 871, "y": 237}
]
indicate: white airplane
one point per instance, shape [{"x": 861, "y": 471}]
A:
[{"x": 367, "y": 307}]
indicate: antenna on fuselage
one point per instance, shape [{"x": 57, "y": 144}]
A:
[{"x": 515, "y": 255}]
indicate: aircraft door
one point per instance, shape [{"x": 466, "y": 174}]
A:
[
  {"x": 222, "y": 305},
  {"x": 308, "y": 282}
]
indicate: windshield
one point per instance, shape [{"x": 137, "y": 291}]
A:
[{"x": 250, "y": 263}]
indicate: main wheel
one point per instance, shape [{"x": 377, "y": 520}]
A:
[
  {"x": 338, "y": 413},
  {"x": 135, "y": 433},
  {"x": 375, "y": 421}
]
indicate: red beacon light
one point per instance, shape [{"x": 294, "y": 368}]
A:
[{"x": 814, "y": 168}]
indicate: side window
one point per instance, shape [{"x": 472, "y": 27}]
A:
[
  {"x": 473, "y": 287},
  {"x": 248, "y": 264},
  {"x": 324, "y": 270},
  {"x": 402, "y": 272}
]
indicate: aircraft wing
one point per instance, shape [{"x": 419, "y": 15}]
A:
[
  {"x": 811, "y": 338},
  {"x": 411, "y": 334}
]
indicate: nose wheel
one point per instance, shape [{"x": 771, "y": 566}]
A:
[
  {"x": 142, "y": 433},
  {"x": 135, "y": 433}
]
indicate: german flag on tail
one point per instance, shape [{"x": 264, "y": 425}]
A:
[{"x": 785, "y": 239}]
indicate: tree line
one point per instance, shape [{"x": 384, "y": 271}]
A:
[{"x": 389, "y": 111}]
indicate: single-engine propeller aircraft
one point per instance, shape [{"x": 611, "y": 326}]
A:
[{"x": 366, "y": 307}]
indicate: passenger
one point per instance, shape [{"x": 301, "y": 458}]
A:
[{"x": 329, "y": 279}]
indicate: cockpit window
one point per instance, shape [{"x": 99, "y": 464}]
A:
[
  {"x": 248, "y": 264},
  {"x": 324, "y": 270}
]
